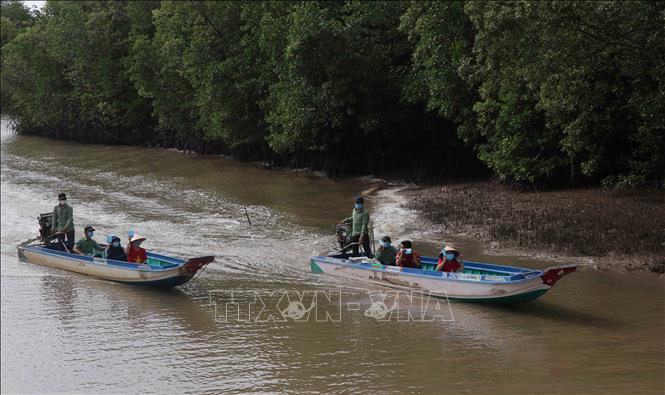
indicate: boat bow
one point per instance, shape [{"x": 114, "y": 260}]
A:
[
  {"x": 553, "y": 274},
  {"x": 193, "y": 265}
]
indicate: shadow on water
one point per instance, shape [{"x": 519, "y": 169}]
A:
[
  {"x": 63, "y": 293},
  {"x": 60, "y": 290},
  {"x": 554, "y": 312},
  {"x": 190, "y": 313}
]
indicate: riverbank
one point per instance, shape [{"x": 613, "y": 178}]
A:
[{"x": 611, "y": 230}]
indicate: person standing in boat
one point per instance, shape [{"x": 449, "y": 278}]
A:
[
  {"x": 63, "y": 222},
  {"x": 386, "y": 253},
  {"x": 407, "y": 256},
  {"x": 450, "y": 260},
  {"x": 87, "y": 245},
  {"x": 359, "y": 221},
  {"x": 135, "y": 253}
]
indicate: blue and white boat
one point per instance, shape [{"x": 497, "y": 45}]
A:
[
  {"x": 158, "y": 271},
  {"x": 480, "y": 282}
]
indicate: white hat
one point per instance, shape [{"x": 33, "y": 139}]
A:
[
  {"x": 450, "y": 248},
  {"x": 136, "y": 238}
]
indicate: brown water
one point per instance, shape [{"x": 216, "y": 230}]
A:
[{"x": 61, "y": 332}]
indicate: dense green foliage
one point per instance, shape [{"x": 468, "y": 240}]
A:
[
  {"x": 15, "y": 18},
  {"x": 536, "y": 91}
]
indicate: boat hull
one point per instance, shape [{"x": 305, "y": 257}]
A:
[
  {"x": 175, "y": 273},
  {"x": 521, "y": 287}
]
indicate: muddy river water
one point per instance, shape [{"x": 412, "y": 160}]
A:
[{"x": 595, "y": 332}]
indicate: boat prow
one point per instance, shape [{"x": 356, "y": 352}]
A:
[
  {"x": 480, "y": 282},
  {"x": 553, "y": 274},
  {"x": 193, "y": 265}
]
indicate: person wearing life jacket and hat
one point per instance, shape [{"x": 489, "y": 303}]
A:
[
  {"x": 115, "y": 250},
  {"x": 449, "y": 260},
  {"x": 407, "y": 256},
  {"x": 135, "y": 253},
  {"x": 359, "y": 221},
  {"x": 87, "y": 245}
]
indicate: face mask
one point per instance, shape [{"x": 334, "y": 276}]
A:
[
  {"x": 89, "y": 234},
  {"x": 407, "y": 251},
  {"x": 450, "y": 256},
  {"x": 62, "y": 202},
  {"x": 116, "y": 244},
  {"x": 359, "y": 206},
  {"x": 385, "y": 244}
]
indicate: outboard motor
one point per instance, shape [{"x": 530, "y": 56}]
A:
[
  {"x": 343, "y": 232},
  {"x": 45, "y": 225},
  {"x": 45, "y": 228}
]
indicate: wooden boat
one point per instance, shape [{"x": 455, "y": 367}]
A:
[
  {"x": 158, "y": 271},
  {"x": 480, "y": 282}
]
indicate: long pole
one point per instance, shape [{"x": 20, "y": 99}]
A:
[
  {"x": 373, "y": 238},
  {"x": 247, "y": 215}
]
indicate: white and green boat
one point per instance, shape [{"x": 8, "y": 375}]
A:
[{"x": 480, "y": 282}]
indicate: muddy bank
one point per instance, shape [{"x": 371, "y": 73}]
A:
[{"x": 611, "y": 230}]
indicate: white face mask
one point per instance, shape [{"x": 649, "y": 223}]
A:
[{"x": 62, "y": 202}]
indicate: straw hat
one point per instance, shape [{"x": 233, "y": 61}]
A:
[
  {"x": 136, "y": 238},
  {"x": 450, "y": 248}
]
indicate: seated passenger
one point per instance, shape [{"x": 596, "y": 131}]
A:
[
  {"x": 407, "y": 256},
  {"x": 386, "y": 253},
  {"x": 135, "y": 253},
  {"x": 450, "y": 260},
  {"x": 115, "y": 251},
  {"x": 88, "y": 246}
]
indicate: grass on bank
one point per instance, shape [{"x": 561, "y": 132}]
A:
[{"x": 598, "y": 223}]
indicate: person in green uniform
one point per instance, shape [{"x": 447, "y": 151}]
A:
[
  {"x": 63, "y": 222},
  {"x": 359, "y": 221},
  {"x": 88, "y": 246},
  {"x": 386, "y": 253}
]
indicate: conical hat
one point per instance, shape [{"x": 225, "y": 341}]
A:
[
  {"x": 137, "y": 238},
  {"x": 450, "y": 248}
]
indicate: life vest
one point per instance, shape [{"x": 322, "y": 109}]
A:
[
  {"x": 137, "y": 255},
  {"x": 449, "y": 266},
  {"x": 409, "y": 260}
]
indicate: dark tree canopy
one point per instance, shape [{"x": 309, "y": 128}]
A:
[{"x": 538, "y": 92}]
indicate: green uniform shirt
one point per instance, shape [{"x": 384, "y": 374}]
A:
[
  {"x": 88, "y": 246},
  {"x": 360, "y": 221},
  {"x": 63, "y": 218},
  {"x": 386, "y": 255}
]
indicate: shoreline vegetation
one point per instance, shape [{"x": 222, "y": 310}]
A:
[
  {"x": 617, "y": 230},
  {"x": 424, "y": 90}
]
